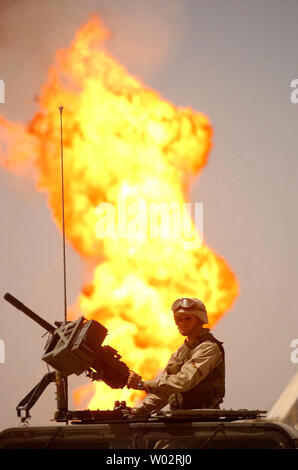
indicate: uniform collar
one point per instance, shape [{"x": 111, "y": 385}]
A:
[{"x": 197, "y": 339}]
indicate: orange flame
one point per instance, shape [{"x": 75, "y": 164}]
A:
[{"x": 122, "y": 141}]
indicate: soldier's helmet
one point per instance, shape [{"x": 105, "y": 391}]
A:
[{"x": 192, "y": 306}]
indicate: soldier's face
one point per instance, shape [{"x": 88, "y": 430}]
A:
[{"x": 185, "y": 322}]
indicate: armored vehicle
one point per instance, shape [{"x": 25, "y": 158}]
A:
[{"x": 76, "y": 347}]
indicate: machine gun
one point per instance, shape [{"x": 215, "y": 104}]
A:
[{"x": 73, "y": 347}]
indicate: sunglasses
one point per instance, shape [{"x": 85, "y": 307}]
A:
[{"x": 182, "y": 319}]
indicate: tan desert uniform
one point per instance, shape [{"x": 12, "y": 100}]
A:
[{"x": 186, "y": 369}]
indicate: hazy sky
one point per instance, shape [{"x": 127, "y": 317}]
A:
[{"x": 234, "y": 61}]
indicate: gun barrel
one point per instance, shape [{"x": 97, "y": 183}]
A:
[{"x": 17, "y": 304}]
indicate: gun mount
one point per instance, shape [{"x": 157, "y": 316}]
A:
[{"x": 73, "y": 347}]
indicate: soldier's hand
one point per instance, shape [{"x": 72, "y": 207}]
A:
[{"x": 134, "y": 381}]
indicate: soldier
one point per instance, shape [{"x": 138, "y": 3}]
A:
[{"x": 195, "y": 374}]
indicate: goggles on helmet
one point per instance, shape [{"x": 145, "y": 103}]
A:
[{"x": 184, "y": 304}]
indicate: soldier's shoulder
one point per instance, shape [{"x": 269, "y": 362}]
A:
[
  {"x": 181, "y": 350},
  {"x": 208, "y": 345}
]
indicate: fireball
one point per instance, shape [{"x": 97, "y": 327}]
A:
[{"x": 128, "y": 153}]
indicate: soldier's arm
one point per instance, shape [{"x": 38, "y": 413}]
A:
[
  {"x": 205, "y": 358},
  {"x": 153, "y": 402},
  {"x": 150, "y": 403},
  {"x": 152, "y": 384},
  {"x": 135, "y": 380}
]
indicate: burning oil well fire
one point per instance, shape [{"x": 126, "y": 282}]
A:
[{"x": 123, "y": 144}]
